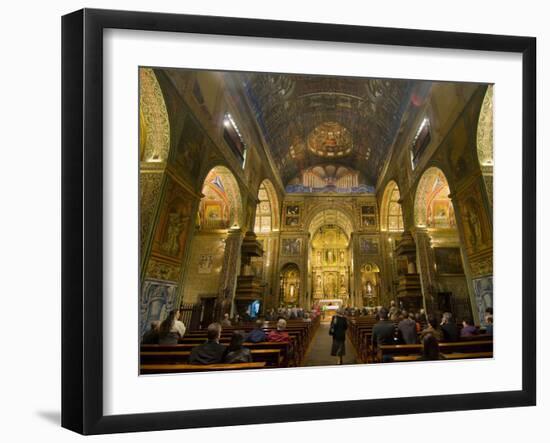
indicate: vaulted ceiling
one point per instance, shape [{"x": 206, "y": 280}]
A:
[{"x": 308, "y": 120}]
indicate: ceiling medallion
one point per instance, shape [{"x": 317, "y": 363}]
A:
[{"x": 330, "y": 140}]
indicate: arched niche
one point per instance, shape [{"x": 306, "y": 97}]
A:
[
  {"x": 221, "y": 204},
  {"x": 267, "y": 210},
  {"x": 433, "y": 207},
  {"x": 154, "y": 123},
  {"x": 370, "y": 284},
  {"x": 439, "y": 249},
  {"x": 290, "y": 284},
  {"x": 391, "y": 214}
]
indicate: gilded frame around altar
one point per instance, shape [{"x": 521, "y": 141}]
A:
[{"x": 85, "y": 163}]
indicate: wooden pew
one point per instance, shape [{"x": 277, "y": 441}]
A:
[
  {"x": 271, "y": 357},
  {"x": 282, "y": 348},
  {"x": 452, "y": 356},
  {"x": 273, "y": 354},
  {"x": 444, "y": 347},
  {"x": 178, "y": 368}
]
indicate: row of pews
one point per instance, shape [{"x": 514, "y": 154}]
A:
[
  {"x": 360, "y": 334},
  {"x": 163, "y": 359}
]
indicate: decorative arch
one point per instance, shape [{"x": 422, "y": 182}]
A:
[
  {"x": 328, "y": 215},
  {"x": 267, "y": 210},
  {"x": 433, "y": 207},
  {"x": 391, "y": 213},
  {"x": 221, "y": 204},
  {"x": 485, "y": 130},
  {"x": 154, "y": 123}
]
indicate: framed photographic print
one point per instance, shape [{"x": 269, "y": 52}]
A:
[{"x": 216, "y": 201}]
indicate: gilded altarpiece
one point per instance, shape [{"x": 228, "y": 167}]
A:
[{"x": 330, "y": 264}]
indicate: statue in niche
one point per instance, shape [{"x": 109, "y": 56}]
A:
[
  {"x": 341, "y": 256},
  {"x": 330, "y": 256},
  {"x": 319, "y": 257},
  {"x": 369, "y": 288},
  {"x": 176, "y": 224},
  {"x": 342, "y": 282},
  {"x": 318, "y": 284}
]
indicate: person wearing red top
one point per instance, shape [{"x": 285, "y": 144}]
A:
[{"x": 279, "y": 335}]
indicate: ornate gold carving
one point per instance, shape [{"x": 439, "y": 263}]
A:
[
  {"x": 482, "y": 263},
  {"x": 485, "y": 130},
  {"x": 160, "y": 270},
  {"x": 154, "y": 117}
]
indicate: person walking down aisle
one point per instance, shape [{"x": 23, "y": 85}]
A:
[{"x": 337, "y": 330}]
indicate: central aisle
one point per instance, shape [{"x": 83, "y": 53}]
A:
[{"x": 318, "y": 353}]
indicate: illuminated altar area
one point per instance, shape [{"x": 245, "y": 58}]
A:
[{"x": 330, "y": 266}]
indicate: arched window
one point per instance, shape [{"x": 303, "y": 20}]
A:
[
  {"x": 391, "y": 212},
  {"x": 263, "y": 221},
  {"x": 395, "y": 216}
]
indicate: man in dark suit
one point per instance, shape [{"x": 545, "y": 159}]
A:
[
  {"x": 407, "y": 329},
  {"x": 383, "y": 332},
  {"x": 210, "y": 352},
  {"x": 449, "y": 328}
]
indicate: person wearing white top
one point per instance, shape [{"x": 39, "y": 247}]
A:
[{"x": 171, "y": 329}]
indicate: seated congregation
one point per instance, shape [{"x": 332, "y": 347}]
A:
[{"x": 376, "y": 335}]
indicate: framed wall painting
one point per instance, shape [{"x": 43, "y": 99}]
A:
[{"x": 102, "y": 391}]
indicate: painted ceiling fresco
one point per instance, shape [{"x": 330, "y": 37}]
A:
[{"x": 310, "y": 120}]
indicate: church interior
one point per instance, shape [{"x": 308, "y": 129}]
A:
[{"x": 283, "y": 202}]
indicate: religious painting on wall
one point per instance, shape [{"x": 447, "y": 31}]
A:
[
  {"x": 448, "y": 260},
  {"x": 368, "y": 216},
  {"x": 292, "y": 215},
  {"x": 477, "y": 231},
  {"x": 190, "y": 145},
  {"x": 369, "y": 245},
  {"x": 213, "y": 212},
  {"x": 291, "y": 246},
  {"x": 172, "y": 227}
]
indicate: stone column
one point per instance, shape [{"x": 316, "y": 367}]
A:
[
  {"x": 426, "y": 268},
  {"x": 228, "y": 273}
]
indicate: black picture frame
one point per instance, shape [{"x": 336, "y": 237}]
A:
[{"x": 82, "y": 219}]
